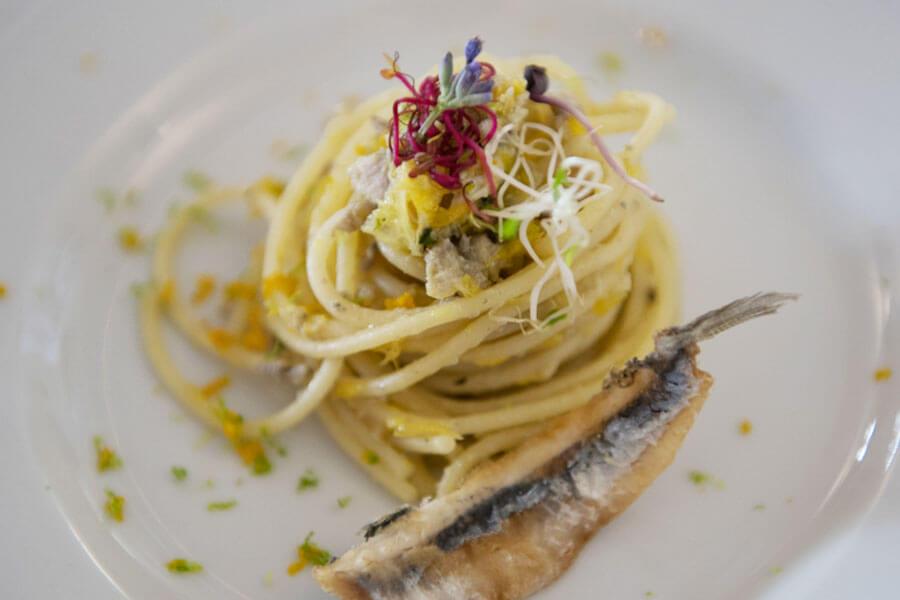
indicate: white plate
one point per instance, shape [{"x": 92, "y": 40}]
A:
[{"x": 756, "y": 202}]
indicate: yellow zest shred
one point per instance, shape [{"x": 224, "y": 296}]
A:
[
  {"x": 403, "y": 426},
  {"x": 882, "y": 374},
  {"x": 220, "y": 338},
  {"x": 215, "y": 386},
  {"x": 576, "y": 127},
  {"x": 746, "y": 427},
  {"x": 2, "y": 290},
  {"x": 255, "y": 337},
  {"x": 279, "y": 283},
  {"x": 240, "y": 289},
  {"x": 405, "y": 300},
  {"x": 203, "y": 288},
  {"x": 607, "y": 303},
  {"x": 167, "y": 292},
  {"x": 130, "y": 240},
  {"x": 182, "y": 565},
  {"x": 107, "y": 459}
]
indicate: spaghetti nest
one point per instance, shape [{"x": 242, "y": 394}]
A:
[{"x": 434, "y": 326}]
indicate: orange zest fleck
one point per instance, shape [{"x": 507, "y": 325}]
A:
[
  {"x": 240, "y": 289},
  {"x": 279, "y": 283},
  {"x": 220, "y": 338},
  {"x": 2, "y": 290},
  {"x": 746, "y": 427},
  {"x": 203, "y": 288},
  {"x": 405, "y": 300},
  {"x": 883, "y": 374},
  {"x": 255, "y": 339},
  {"x": 130, "y": 240},
  {"x": 215, "y": 386}
]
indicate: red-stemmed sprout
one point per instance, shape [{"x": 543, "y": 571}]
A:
[
  {"x": 537, "y": 83},
  {"x": 437, "y": 125}
]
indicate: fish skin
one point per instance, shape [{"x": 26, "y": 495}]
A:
[{"x": 517, "y": 524}]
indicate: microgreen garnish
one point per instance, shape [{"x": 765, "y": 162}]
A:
[
  {"x": 537, "y": 84},
  {"x": 437, "y": 125}
]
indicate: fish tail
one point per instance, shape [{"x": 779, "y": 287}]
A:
[{"x": 716, "y": 321}]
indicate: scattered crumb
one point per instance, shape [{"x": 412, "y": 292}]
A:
[
  {"x": 759, "y": 507},
  {"x": 883, "y": 374},
  {"x": 746, "y": 427},
  {"x": 610, "y": 63},
  {"x": 89, "y": 62},
  {"x": 654, "y": 37},
  {"x": 789, "y": 500},
  {"x": 239, "y": 481}
]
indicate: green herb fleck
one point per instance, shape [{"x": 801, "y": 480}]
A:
[
  {"x": 268, "y": 580},
  {"x": 775, "y": 570},
  {"x": 271, "y": 439},
  {"x": 196, "y": 180},
  {"x": 371, "y": 457},
  {"x": 610, "y": 62},
  {"x": 343, "y": 501},
  {"x": 218, "y": 506},
  {"x": 649, "y": 594},
  {"x": 107, "y": 197},
  {"x": 509, "y": 228},
  {"x": 115, "y": 505},
  {"x": 202, "y": 216},
  {"x": 106, "y": 458},
  {"x": 700, "y": 479},
  {"x": 759, "y": 507},
  {"x": 275, "y": 351},
  {"x": 180, "y": 473},
  {"x": 308, "y": 481},
  {"x": 312, "y": 553},
  {"x": 427, "y": 240},
  {"x": 139, "y": 287},
  {"x": 261, "y": 464},
  {"x": 182, "y": 565}
]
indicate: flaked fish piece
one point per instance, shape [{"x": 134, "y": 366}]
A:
[{"x": 517, "y": 524}]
